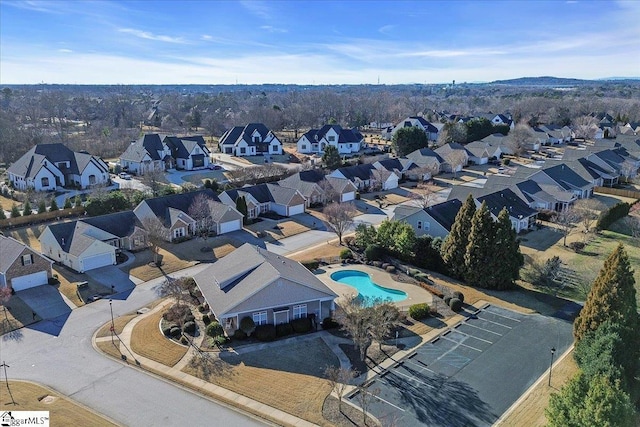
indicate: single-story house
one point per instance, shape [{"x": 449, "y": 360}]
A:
[
  {"x": 266, "y": 287},
  {"x": 21, "y": 267},
  {"x": 251, "y": 140},
  {"x": 480, "y": 152},
  {"x": 315, "y": 141},
  {"x": 521, "y": 215},
  {"x": 403, "y": 168},
  {"x": 180, "y": 214},
  {"x": 366, "y": 177},
  {"x": 427, "y": 160},
  {"x": 262, "y": 198},
  {"x": 433, "y": 220},
  {"x": 93, "y": 242},
  {"x": 454, "y": 157},
  {"x": 316, "y": 187},
  {"x": 48, "y": 166}
]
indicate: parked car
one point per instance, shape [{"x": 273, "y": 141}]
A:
[
  {"x": 214, "y": 166},
  {"x": 124, "y": 175}
]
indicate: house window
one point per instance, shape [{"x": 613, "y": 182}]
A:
[
  {"x": 243, "y": 150},
  {"x": 27, "y": 259},
  {"x": 92, "y": 179},
  {"x": 45, "y": 181},
  {"x": 303, "y": 146},
  {"x": 228, "y": 323},
  {"x": 178, "y": 232},
  {"x": 299, "y": 311},
  {"x": 264, "y": 208},
  {"x": 419, "y": 225},
  {"x": 331, "y": 138},
  {"x": 427, "y": 226},
  {"x": 256, "y": 139},
  {"x": 260, "y": 318}
]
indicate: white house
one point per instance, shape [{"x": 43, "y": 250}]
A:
[
  {"x": 148, "y": 153},
  {"x": 413, "y": 121},
  {"x": 48, "y": 166},
  {"x": 347, "y": 141},
  {"x": 251, "y": 140},
  {"x": 189, "y": 152}
]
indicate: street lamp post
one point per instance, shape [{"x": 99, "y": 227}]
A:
[
  {"x": 112, "y": 328},
  {"x": 6, "y": 379},
  {"x": 553, "y": 351}
]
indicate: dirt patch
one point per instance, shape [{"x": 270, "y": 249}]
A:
[
  {"x": 147, "y": 340},
  {"x": 348, "y": 416},
  {"x": 63, "y": 410}
]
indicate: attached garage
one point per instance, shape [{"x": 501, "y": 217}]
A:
[
  {"x": 198, "y": 160},
  {"x": 97, "y": 261},
  {"x": 347, "y": 197},
  {"x": 229, "y": 226},
  {"x": 295, "y": 210},
  {"x": 29, "y": 281}
]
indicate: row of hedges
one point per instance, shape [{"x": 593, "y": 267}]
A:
[
  {"x": 608, "y": 217},
  {"x": 431, "y": 289},
  {"x": 41, "y": 217},
  {"x": 268, "y": 333}
]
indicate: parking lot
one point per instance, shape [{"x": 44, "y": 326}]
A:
[{"x": 470, "y": 374}]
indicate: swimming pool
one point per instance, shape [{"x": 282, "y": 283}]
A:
[{"x": 365, "y": 287}]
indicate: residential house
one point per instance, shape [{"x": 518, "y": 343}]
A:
[
  {"x": 254, "y": 139},
  {"x": 543, "y": 196},
  {"x": 367, "y": 177},
  {"x": 403, "y": 168},
  {"x": 498, "y": 141},
  {"x": 92, "y": 243},
  {"x": 46, "y": 167},
  {"x": 427, "y": 160},
  {"x": 263, "y": 198},
  {"x": 183, "y": 214},
  {"x": 266, "y": 287},
  {"x": 455, "y": 157},
  {"x": 521, "y": 215},
  {"x": 149, "y": 153},
  {"x": 591, "y": 168},
  {"x": 501, "y": 119},
  {"x": 431, "y": 130},
  {"x": 317, "y": 188},
  {"x": 433, "y": 220},
  {"x": 21, "y": 267},
  {"x": 557, "y": 134},
  {"x": 560, "y": 174},
  {"x": 189, "y": 152},
  {"x": 347, "y": 141},
  {"x": 480, "y": 152}
]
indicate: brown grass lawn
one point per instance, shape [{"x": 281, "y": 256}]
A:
[
  {"x": 109, "y": 349},
  {"x": 327, "y": 250},
  {"x": 275, "y": 231},
  {"x": 6, "y": 203},
  {"x": 287, "y": 377},
  {"x": 147, "y": 340},
  {"x": 28, "y": 235},
  {"x": 118, "y": 323},
  {"x": 143, "y": 269},
  {"x": 530, "y": 411},
  {"x": 62, "y": 410},
  {"x": 68, "y": 283}
]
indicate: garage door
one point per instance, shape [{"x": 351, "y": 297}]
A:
[
  {"x": 295, "y": 210},
  {"x": 227, "y": 227},
  {"x": 29, "y": 281},
  {"x": 97, "y": 261},
  {"x": 198, "y": 160},
  {"x": 347, "y": 197}
]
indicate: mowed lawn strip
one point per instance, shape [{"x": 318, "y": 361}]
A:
[
  {"x": 287, "y": 377},
  {"x": 118, "y": 325},
  {"x": 62, "y": 410},
  {"x": 147, "y": 340},
  {"x": 530, "y": 411}
]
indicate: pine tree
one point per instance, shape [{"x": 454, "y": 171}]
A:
[
  {"x": 54, "y": 205},
  {"x": 2, "y": 214},
  {"x": 455, "y": 245},
  {"x": 241, "y": 206},
  {"x": 331, "y": 158},
  {"x": 480, "y": 254},
  {"x": 612, "y": 297},
  {"x": 42, "y": 207},
  {"x": 26, "y": 208},
  {"x": 15, "y": 213},
  {"x": 67, "y": 204},
  {"x": 506, "y": 267}
]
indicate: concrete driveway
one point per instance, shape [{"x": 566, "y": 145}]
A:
[
  {"x": 112, "y": 278},
  {"x": 45, "y": 301}
]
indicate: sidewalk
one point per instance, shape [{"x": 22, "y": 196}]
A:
[{"x": 175, "y": 373}]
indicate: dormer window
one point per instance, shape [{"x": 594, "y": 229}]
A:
[{"x": 331, "y": 138}]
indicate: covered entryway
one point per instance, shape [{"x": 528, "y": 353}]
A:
[
  {"x": 97, "y": 261},
  {"x": 29, "y": 281}
]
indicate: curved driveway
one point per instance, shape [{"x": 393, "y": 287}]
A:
[{"x": 68, "y": 363}]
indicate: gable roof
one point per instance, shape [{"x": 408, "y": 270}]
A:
[
  {"x": 37, "y": 157},
  {"x": 148, "y": 144},
  {"x": 564, "y": 176},
  {"x": 10, "y": 251},
  {"x": 182, "y": 147},
  {"x": 238, "y": 133},
  {"x": 120, "y": 224},
  {"x": 362, "y": 172},
  {"x": 506, "y": 198},
  {"x": 248, "y": 270},
  {"x": 76, "y": 236},
  {"x": 445, "y": 213},
  {"x": 161, "y": 206},
  {"x": 345, "y": 136}
]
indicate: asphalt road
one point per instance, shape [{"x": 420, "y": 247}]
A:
[{"x": 69, "y": 364}]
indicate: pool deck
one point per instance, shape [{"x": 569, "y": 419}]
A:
[{"x": 415, "y": 294}]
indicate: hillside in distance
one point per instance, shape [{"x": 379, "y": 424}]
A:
[{"x": 559, "y": 81}]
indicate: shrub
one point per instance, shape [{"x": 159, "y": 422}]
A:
[
  {"x": 206, "y": 319},
  {"x": 175, "y": 332},
  {"x": 374, "y": 252},
  {"x": 184, "y": 340},
  {"x": 349, "y": 241},
  {"x": 577, "y": 246},
  {"x": 547, "y": 215},
  {"x": 608, "y": 217},
  {"x": 447, "y": 299},
  {"x": 311, "y": 264},
  {"x": 284, "y": 329},
  {"x": 301, "y": 325},
  {"x": 189, "y": 318},
  {"x": 190, "y": 328},
  {"x": 390, "y": 269},
  {"x": 214, "y": 329},
  {"x": 431, "y": 289},
  {"x": 220, "y": 340},
  {"x": 357, "y": 195},
  {"x": 53, "y": 281},
  {"x": 419, "y": 311},
  {"x": 329, "y": 323},
  {"x": 201, "y": 308},
  {"x": 506, "y": 162},
  {"x": 455, "y": 304},
  {"x": 239, "y": 335},
  {"x": 346, "y": 254},
  {"x": 166, "y": 331},
  {"x": 247, "y": 325},
  {"x": 459, "y": 295},
  {"x": 422, "y": 276},
  {"x": 265, "y": 332}
]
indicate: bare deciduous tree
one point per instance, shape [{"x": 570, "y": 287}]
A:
[
  {"x": 633, "y": 223},
  {"x": 178, "y": 289},
  {"x": 355, "y": 318},
  {"x": 424, "y": 197},
  {"x": 455, "y": 159},
  {"x": 585, "y": 127},
  {"x": 586, "y": 211},
  {"x": 339, "y": 378},
  {"x": 5, "y": 296},
  {"x": 339, "y": 217},
  {"x": 519, "y": 137},
  {"x": 379, "y": 177},
  {"x": 385, "y": 317},
  {"x": 157, "y": 233},
  {"x": 565, "y": 220},
  {"x": 154, "y": 179},
  {"x": 364, "y": 398},
  {"x": 200, "y": 211}
]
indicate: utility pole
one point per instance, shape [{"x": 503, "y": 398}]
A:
[
  {"x": 553, "y": 351},
  {"x": 6, "y": 379}
]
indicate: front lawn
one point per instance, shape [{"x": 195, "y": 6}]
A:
[
  {"x": 144, "y": 269},
  {"x": 147, "y": 340}
]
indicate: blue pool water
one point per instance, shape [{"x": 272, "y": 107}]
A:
[{"x": 365, "y": 287}]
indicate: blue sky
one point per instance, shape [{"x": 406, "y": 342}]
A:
[{"x": 315, "y": 42}]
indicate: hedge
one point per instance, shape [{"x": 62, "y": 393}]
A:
[
  {"x": 455, "y": 304},
  {"x": 301, "y": 325},
  {"x": 431, "y": 289},
  {"x": 329, "y": 323},
  {"x": 311, "y": 264},
  {"x": 239, "y": 335},
  {"x": 284, "y": 329},
  {"x": 214, "y": 329},
  {"x": 43, "y": 217},
  {"x": 419, "y": 311},
  {"x": 265, "y": 333},
  {"x": 608, "y": 217}
]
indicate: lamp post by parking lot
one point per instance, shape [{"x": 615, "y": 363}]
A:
[{"x": 553, "y": 351}]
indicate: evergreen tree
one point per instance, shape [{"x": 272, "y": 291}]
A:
[
  {"x": 331, "y": 158},
  {"x": 2, "y": 214},
  {"x": 54, "y": 205},
  {"x": 26, "y": 210},
  {"x": 407, "y": 140},
  {"x": 42, "y": 207},
  {"x": 78, "y": 201},
  {"x": 506, "y": 267},
  {"x": 455, "y": 245},
  {"x": 15, "y": 213},
  {"x": 612, "y": 297},
  {"x": 480, "y": 255},
  {"x": 241, "y": 206},
  {"x": 67, "y": 204}
]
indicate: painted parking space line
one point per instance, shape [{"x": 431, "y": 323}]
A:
[
  {"x": 462, "y": 344},
  {"x": 410, "y": 377},
  {"x": 385, "y": 401},
  {"x": 472, "y": 336},
  {"x": 495, "y": 323},
  {"x": 421, "y": 365},
  {"x": 488, "y": 310},
  {"x": 483, "y": 329},
  {"x": 456, "y": 360}
]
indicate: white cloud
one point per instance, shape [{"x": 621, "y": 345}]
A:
[
  {"x": 272, "y": 29},
  {"x": 150, "y": 36},
  {"x": 65, "y": 51},
  {"x": 386, "y": 29},
  {"x": 206, "y": 37},
  {"x": 260, "y": 9}
]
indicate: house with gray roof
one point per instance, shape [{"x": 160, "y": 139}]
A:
[
  {"x": 521, "y": 215},
  {"x": 455, "y": 157},
  {"x": 480, "y": 152},
  {"x": 189, "y": 152},
  {"x": 149, "y": 153},
  {"x": 254, "y": 139},
  {"x": 427, "y": 160},
  {"x": 558, "y": 173},
  {"x": 21, "y": 267},
  {"x": 433, "y": 220},
  {"x": 46, "y": 167},
  {"x": 263, "y": 198},
  {"x": 430, "y": 129},
  {"x": 366, "y": 177},
  {"x": 347, "y": 141},
  {"x": 266, "y": 287},
  {"x": 184, "y": 215}
]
